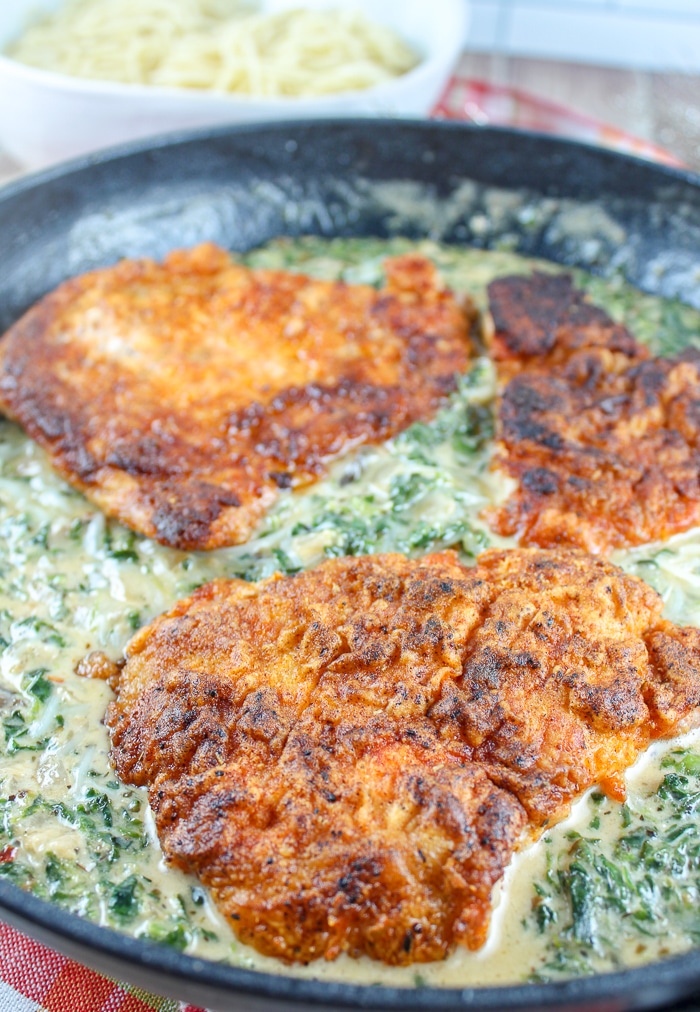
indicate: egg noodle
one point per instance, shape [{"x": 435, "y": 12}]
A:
[{"x": 222, "y": 45}]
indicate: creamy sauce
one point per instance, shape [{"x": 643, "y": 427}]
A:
[{"x": 72, "y": 581}]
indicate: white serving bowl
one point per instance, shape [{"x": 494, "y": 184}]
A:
[{"x": 46, "y": 117}]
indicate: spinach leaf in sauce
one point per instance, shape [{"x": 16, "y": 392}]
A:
[{"x": 633, "y": 888}]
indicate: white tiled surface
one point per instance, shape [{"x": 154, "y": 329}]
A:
[
  {"x": 663, "y": 9},
  {"x": 484, "y": 24},
  {"x": 659, "y": 35}
]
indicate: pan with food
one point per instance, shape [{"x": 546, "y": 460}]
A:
[{"x": 371, "y": 517}]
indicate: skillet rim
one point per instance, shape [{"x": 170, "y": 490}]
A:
[
  {"x": 173, "y": 138},
  {"x": 646, "y": 986},
  {"x": 605, "y": 992}
]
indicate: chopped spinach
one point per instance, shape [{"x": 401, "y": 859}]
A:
[{"x": 644, "y": 883}]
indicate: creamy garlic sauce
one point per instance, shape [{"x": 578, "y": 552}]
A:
[{"x": 72, "y": 581}]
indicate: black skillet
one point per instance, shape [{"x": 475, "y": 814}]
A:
[{"x": 241, "y": 186}]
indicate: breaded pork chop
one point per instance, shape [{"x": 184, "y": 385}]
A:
[
  {"x": 603, "y": 439},
  {"x": 349, "y": 757},
  {"x": 180, "y": 397}
]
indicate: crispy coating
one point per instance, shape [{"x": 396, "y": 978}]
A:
[
  {"x": 180, "y": 397},
  {"x": 542, "y": 317},
  {"x": 603, "y": 439},
  {"x": 349, "y": 757}
]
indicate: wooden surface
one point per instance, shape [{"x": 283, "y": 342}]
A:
[
  {"x": 9, "y": 168},
  {"x": 662, "y": 108}
]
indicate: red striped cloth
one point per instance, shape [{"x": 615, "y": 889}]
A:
[
  {"x": 33, "y": 978},
  {"x": 487, "y": 104}
]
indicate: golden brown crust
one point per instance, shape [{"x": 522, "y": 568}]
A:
[
  {"x": 180, "y": 397},
  {"x": 349, "y": 757},
  {"x": 98, "y": 665},
  {"x": 603, "y": 440},
  {"x": 542, "y": 318}
]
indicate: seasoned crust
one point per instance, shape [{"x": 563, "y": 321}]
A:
[
  {"x": 180, "y": 397},
  {"x": 543, "y": 317},
  {"x": 603, "y": 439},
  {"x": 349, "y": 757}
]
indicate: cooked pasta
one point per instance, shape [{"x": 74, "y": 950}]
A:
[{"x": 222, "y": 45}]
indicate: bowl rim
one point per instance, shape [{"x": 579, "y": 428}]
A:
[{"x": 446, "y": 54}]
